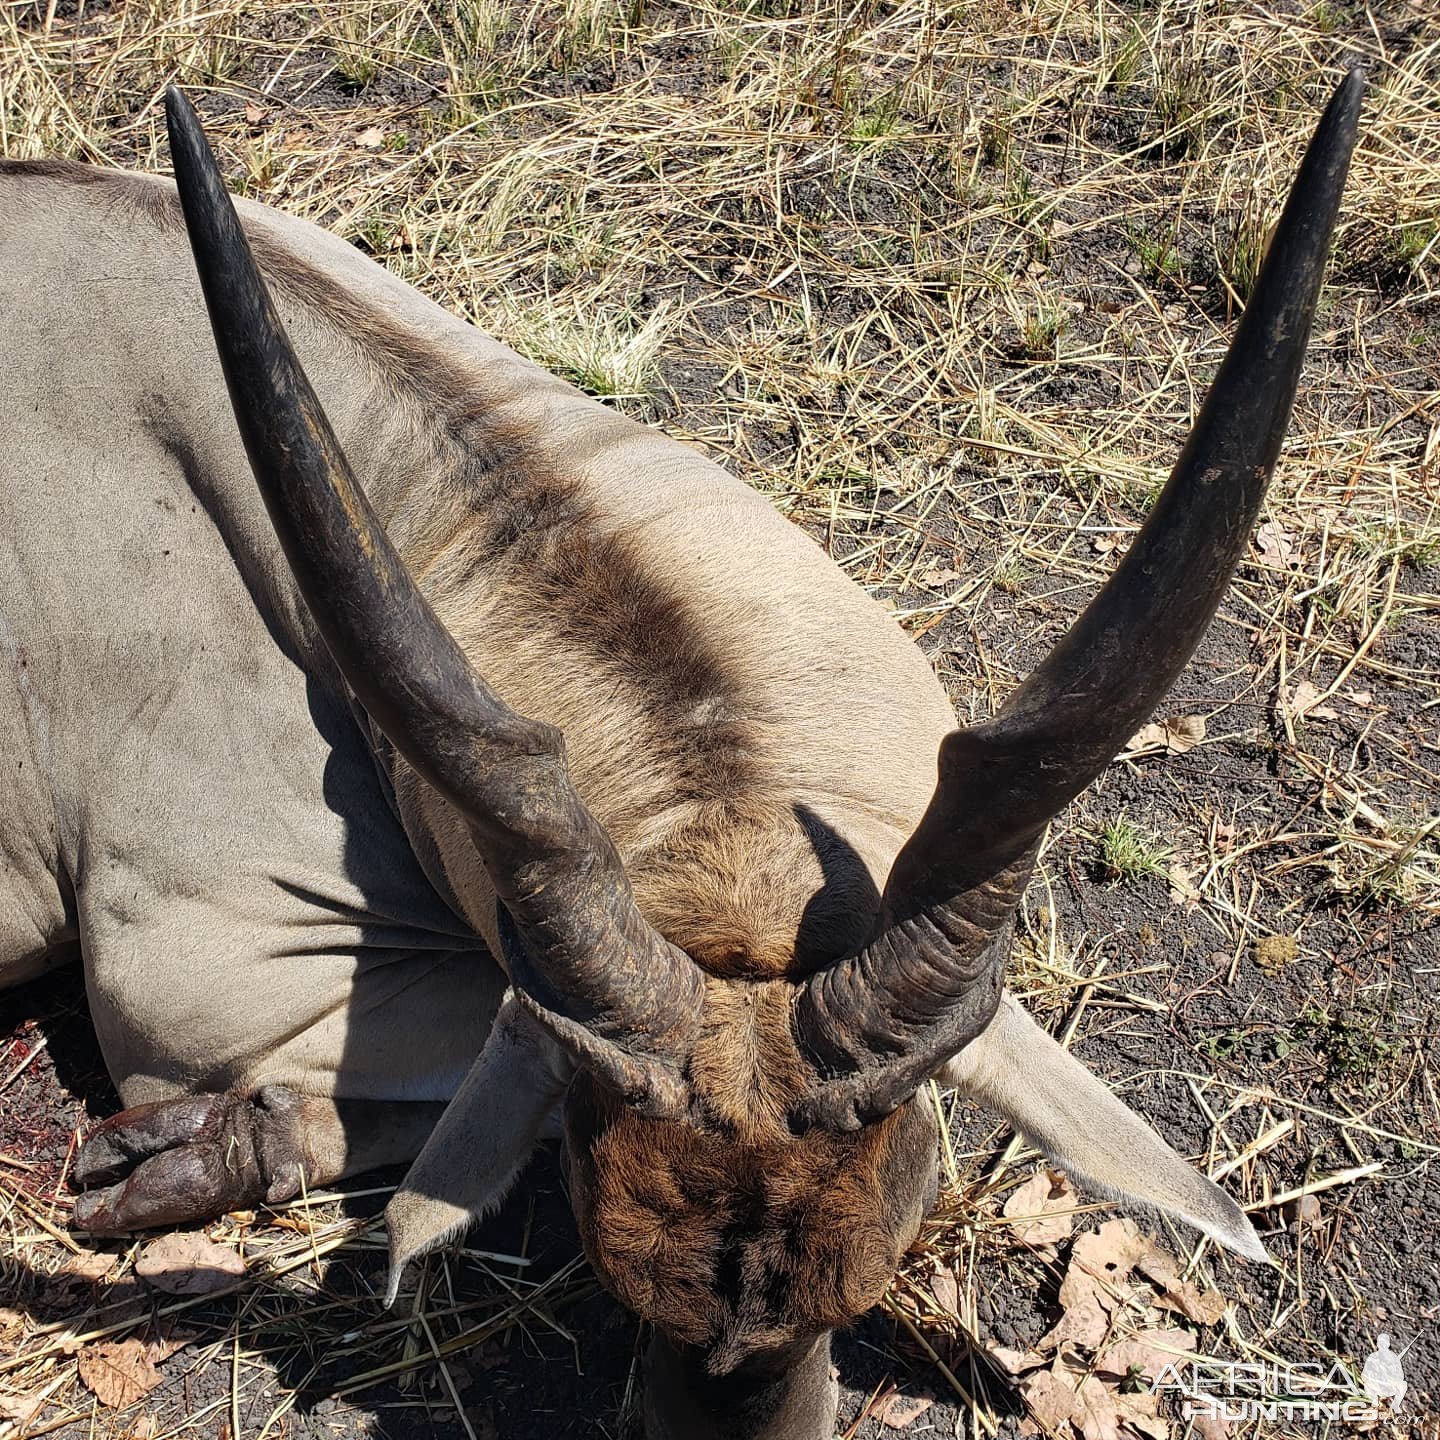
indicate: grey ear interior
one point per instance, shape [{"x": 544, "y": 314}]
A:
[
  {"x": 482, "y": 1142},
  {"x": 1073, "y": 1118}
]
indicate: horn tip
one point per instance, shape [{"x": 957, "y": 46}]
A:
[
  {"x": 177, "y": 107},
  {"x": 182, "y": 124},
  {"x": 1344, "y": 107}
]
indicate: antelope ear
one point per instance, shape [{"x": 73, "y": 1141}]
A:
[
  {"x": 482, "y": 1142},
  {"x": 1016, "y": 1069}
]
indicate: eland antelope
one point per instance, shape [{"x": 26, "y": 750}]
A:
[{"x": 499, "y": 759}]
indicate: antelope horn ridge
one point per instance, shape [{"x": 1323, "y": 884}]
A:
[
  {"x": 603, "y": 981},
  {"x": 881, "y": 1021}
]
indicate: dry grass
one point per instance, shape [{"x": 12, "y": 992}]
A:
[{"x": 948, "y": 283}]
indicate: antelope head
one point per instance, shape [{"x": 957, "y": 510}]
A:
[{"x": 748, "y": 1161}]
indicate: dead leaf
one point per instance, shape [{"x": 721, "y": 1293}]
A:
[
  {"x": 144, "y": 1428},
  {"x": 897, "y": 1411},
  {"x": 255, "y": 115},
  {"x": 1205, "y": 1307},
  {"x": 1182, "y": 885},
  {"x": 1042, "y": 1211},
  {"x": 1147, "y": 738},
  {"x": 1014, "y": 1362},
  {"x": 1085, "y": 1323},
  {"x": 1159, "y": 1266},
  {"x": 87, "y": 1265},
  {"x": 1096, "y": 1415},
  {"x": 1145, "y": 1354},
  {"x": 169, "y": 1336},
  {"x": 1303, "y": 700},
  {"x": 1362, "y": 698},
  {"x": 946, "y": 1292},
  {"x": 1101, "y": 1262},
  {"x": 1224, "y": 836},
  {"x": 118, "y": 1374},
  {"x": 1184, "y": 732},
  {"x": 1176, "y": 736},
  {"x": 165, "y": 1346},
  {"x": 371, "y": 139},
  {"x": 1308, "y": 1214},
  {"x": 20, "y": 1409},
  {"x": 188, "y": 1264},
  {"x": 1275, "y": 543},
  {"x": 1052, "y": 1400},
  {"x": 1137, "y": 1411},
  {"x": 1150, "y": 1427}
]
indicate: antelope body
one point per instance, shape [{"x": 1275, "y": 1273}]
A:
[{"x": 344, "y": 897}]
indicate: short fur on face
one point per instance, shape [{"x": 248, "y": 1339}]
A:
[{"x": 727, "y": 1231}]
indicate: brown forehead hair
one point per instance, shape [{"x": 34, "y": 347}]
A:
[
  {"x": 755, "y": 889},
  {"x": 727, "y": 1231}
]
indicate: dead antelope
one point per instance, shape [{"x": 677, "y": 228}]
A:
[{"x": 540, "y": 767}]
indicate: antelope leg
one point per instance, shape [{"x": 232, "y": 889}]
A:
[{"x": 199, "y": 1156}]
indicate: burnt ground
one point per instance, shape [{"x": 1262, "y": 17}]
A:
[{"x": 967, "y": 393}]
